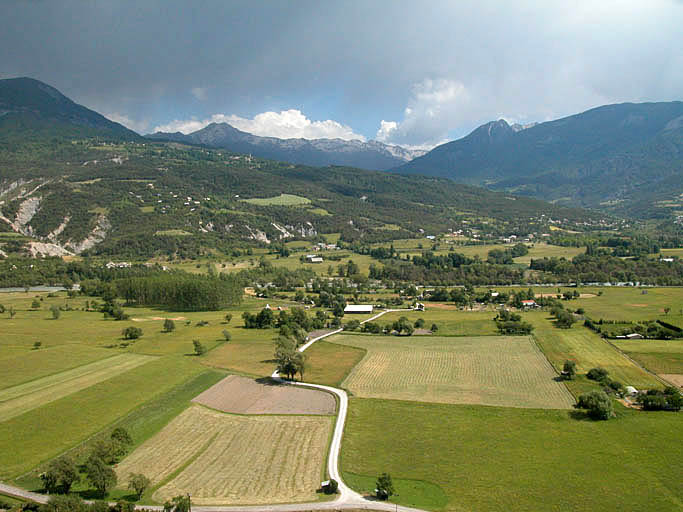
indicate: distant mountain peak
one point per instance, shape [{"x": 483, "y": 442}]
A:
[{"x": 373, "y": 154}]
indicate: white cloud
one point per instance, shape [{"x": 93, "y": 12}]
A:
[
  {"x": 433, "y": 107},
  {"x": 286, "y": 124},
  {"x": 137, "y": 126},
  {"x": 199, "y": 93}
]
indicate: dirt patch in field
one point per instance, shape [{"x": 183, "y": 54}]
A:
[
  {"x": 440, "y": 305},
  {"x": 150, "y": 318},
  {"x": 674, "y": 378},
  {"x": 637, "y": 305},
  {"x": 421, "y": 332},
  {"x": 242, "y": 395}
]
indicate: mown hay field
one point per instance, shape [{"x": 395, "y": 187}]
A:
[
  {"x": 30, "y": 395},
  {"x": 229, "y": 459},
  {"x": 489, "y": 370},
  {"x": 630, "y": 303},
  {"x": 588, "y": 350},
  {"x": 493, "y": 458}
]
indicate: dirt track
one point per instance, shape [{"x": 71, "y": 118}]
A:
[{"x": 247, "y": 396}]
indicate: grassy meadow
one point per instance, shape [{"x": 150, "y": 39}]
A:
[{"x": 494, "y": 458}]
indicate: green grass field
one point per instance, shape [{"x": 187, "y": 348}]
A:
[
  {"x": 68, "y": 421},
  {"x": 450, "y": 322},
  {"x": 281, "y": 200},
  {"x": 19, "y": 399},
  {"x": 27, "y": 365},
  {"x": 588, "y": 350},
  {"x": 628, "y": 303},
  {"x": 656, "y": 355},
  {"x": 329, "y": 363},
  {"x": 491, "y": 458},
  {"x": 490, "y": 370}
]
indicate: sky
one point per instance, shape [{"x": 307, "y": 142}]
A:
[{"x": 402, "y": 72}]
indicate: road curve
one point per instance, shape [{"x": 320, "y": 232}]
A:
[{"x": 346, "y": 499}]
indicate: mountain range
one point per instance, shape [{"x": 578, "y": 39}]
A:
[
  {"x": 73, "y": 182},
  {"x": 371, "y": 155},
  {"x": 625, "y": 158}
]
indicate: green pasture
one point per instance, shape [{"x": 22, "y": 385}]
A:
[
  {"x": 492, "y": 458},
  {"x": 630, "y": 303},
  {"x": 28, "y": 365},
  {"x": 329, "y": 363},
  {"x": 45, "y": 432},
  {"x": 451, "y": 322},
  {"x": 281, "y": 200},
  {"x": 588, "y": 350},
  {"x": 659, "y": 356}
]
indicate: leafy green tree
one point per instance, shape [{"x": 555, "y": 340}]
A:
[
  {"x": 55, "y": 312},
  {"x": 121, "y": 436},
  {"x": 352, "y": 325},
  {"x": 169, "y": 325},
  {"x": 332, "y": 487},
  {"x": 419, "y": 323},
  {"x": 178, "y": 504},
  {"x": 100, "y": 475},
  {"x": 598, "y": 405},
  {"x": 434, "y": 328},
  {"x": 199, "y": 349},
  {"x": 289, "y": 360},
  {"x": 67, "y": 503},
  {"x": 138, "y": 483},
  {"x": 12, "y": 312},
  {"x": 37, "y": 345},
  {"x": 35, "y": 304},
  {"x": 227, "y": 335},
  {"x": 384, "y": 487},
  {"x": 2, "y": 308},
  {"x": 569, "y": 370},
  {"x": 228, "y": 317}
]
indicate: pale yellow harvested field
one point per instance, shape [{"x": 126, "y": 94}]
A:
[
  {"x": 231, "y": 460},
  {"x": 490, "y": 370},
  {"x": 177, "y": 442},
  {"x": 25, "y": 397},
  {"x": 675, "y": 378},
  {"x": 243, "y": 395}
]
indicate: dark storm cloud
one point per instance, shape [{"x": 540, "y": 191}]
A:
[{"x": 427, "y": 69}]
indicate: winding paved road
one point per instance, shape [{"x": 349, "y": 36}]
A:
[{"x": 347, "y": 498}]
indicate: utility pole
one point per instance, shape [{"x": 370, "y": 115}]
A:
[{"x": 189, "y": 502}]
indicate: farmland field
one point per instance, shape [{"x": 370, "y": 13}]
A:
[
  {"x": 489, "y": 370},
  {"x": 631, "y": 304},
  {"x": 227, "y": 459},
  {"x": 588, "y": 350},
  {"x": 659, "y": 356},
  {"x": 330, "y": 363},
  {"x": 30, "y": 395},
  {"x": 242, "y": 395},
  {"x": 491, "y": 459},
  {"x": 66, "y": 422}
]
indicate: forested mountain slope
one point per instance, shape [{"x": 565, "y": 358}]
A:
[{"x": 625, "y": 158}]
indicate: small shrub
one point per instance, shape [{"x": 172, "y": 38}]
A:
[
  {"x": 227, "y": 335},
  {"x": 56, "y": 312},
  {"x": 169, "y": 325},
  {"x": 37, "y": 345}
]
